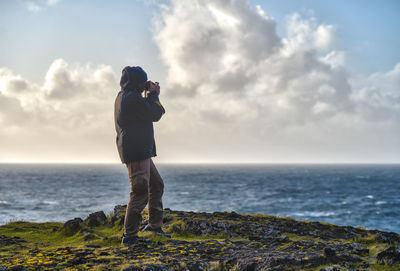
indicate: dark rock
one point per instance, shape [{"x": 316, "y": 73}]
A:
[
  {"x": 231, "y": 261},
  {"x": 96, "y": 219},
  {"x": 346, "y": 258},
  {"x": 263, "y": 245},
  {"x": 359, "y": 250},
  {"x": 388, "y": 237},
  {"x": 101, "y": 261},
  {"x": 76, "y": 261},
  {"x": 72, "y": 226},
  {"x": 132, "y": 268},
  {"x": 118, "y": 215},
  {"x": 167, "y": 218},
  {"x": 234, "y": 215},
  {"x": 364, "y": 265},
  {"x": 331, "y": 268},
  {"x": 197, "y": 266},
  {"x": 329, "y": 252},
  {"x": 156, "y": 267},
  {"x": 283, "y": 239},
  {"x": 7, "y": 241},
  {"x": 389, "y": 256},
  {"x": 247, "y": 265},
  {"x": 17, "y": 268}
]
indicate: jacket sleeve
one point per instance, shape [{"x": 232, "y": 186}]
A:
[{"x": 150, "y": 108}]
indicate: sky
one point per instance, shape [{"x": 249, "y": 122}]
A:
[{"x": 241, "y": 81}]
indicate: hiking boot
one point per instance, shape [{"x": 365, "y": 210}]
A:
[
  {"x": 157, "y": 231},
  {"x": 129, "y": 240}
]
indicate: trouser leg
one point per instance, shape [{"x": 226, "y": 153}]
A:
[
  {"x": 156, "y": 190},
  {"x": 139, "y": 176}
]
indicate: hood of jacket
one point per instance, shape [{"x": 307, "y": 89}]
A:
[{"x": 132, "y": 78}]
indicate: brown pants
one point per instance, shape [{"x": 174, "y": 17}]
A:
[{"x": 147, "y": 187}]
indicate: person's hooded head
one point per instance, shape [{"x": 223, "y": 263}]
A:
[{"x": 133, "y": 78}]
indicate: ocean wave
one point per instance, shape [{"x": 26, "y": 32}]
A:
[
  {"x": 184, "y": 193},
  {"x": 328, "y": 193},
  {"x": 314, "y": 213},
  {"x": 363, "y": 177},
  {"x": 50, "y": 202}
]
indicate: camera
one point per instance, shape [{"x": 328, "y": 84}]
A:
[{"x": 147, "y": 85}]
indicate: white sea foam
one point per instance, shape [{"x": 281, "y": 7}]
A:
[
  {"x": 314, "y": 213},
  {"x": 50, "y": 202},
  {"x": 380, "y": 202},
  {"x": 362, "y": 177},
  {"x": 184, "y": 193},
  {"x": 370, "y": 196}
]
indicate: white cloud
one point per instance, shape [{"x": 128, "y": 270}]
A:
[
  {"x": 378, "y": 96},
  {"x": 243, "y": 62},
  {"x": 236, "y": 91},
  {"x": 71, "y": 111},
  {"x": 336, "y": 59},
  {"x": 39, "y": 5},
  {"x": 324, "y": 36},
  {"x": 52, "y": 2},
  {"x": 229, "y": 74},
  {"x": 32, "y": 6},
  {"x": 207, "y": 44},
  {"x": 306, "y": 34}
]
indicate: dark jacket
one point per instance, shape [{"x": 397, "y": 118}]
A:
[{"x": 134, "y": 116}]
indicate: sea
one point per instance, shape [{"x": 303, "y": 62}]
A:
[{"x": 357, "y": 195}]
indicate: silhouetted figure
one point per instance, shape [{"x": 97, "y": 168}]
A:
[{"x": 134, "y": 116}]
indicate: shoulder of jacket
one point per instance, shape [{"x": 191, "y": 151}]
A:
[{"x": 131, "y": 95}]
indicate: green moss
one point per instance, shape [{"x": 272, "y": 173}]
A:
[
  {"x": 368, "y": 239},
  {"x": 44, "y": 234},
  {"x": 295, "y": 237},
  {"x": 102, "y": 267},
  {"x": 378, "y": 267},
  {"x": 187, "y": 236},
  {"x": 44, "y": 240},
  {"x": 318, "y": 268},
  {"x": 176, "y": 226}
]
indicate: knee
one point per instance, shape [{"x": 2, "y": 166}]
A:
[
  {"x": 159, "y": 187},
  {"x": 134, "y": 196},
  {"x": 139, "y": 185},
  {"x": 137, "y": 202}
]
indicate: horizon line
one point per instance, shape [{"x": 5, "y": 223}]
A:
[{"x": 203, "y": 163}]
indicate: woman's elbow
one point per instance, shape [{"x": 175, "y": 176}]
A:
[{"x": 156, "y": 118}]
